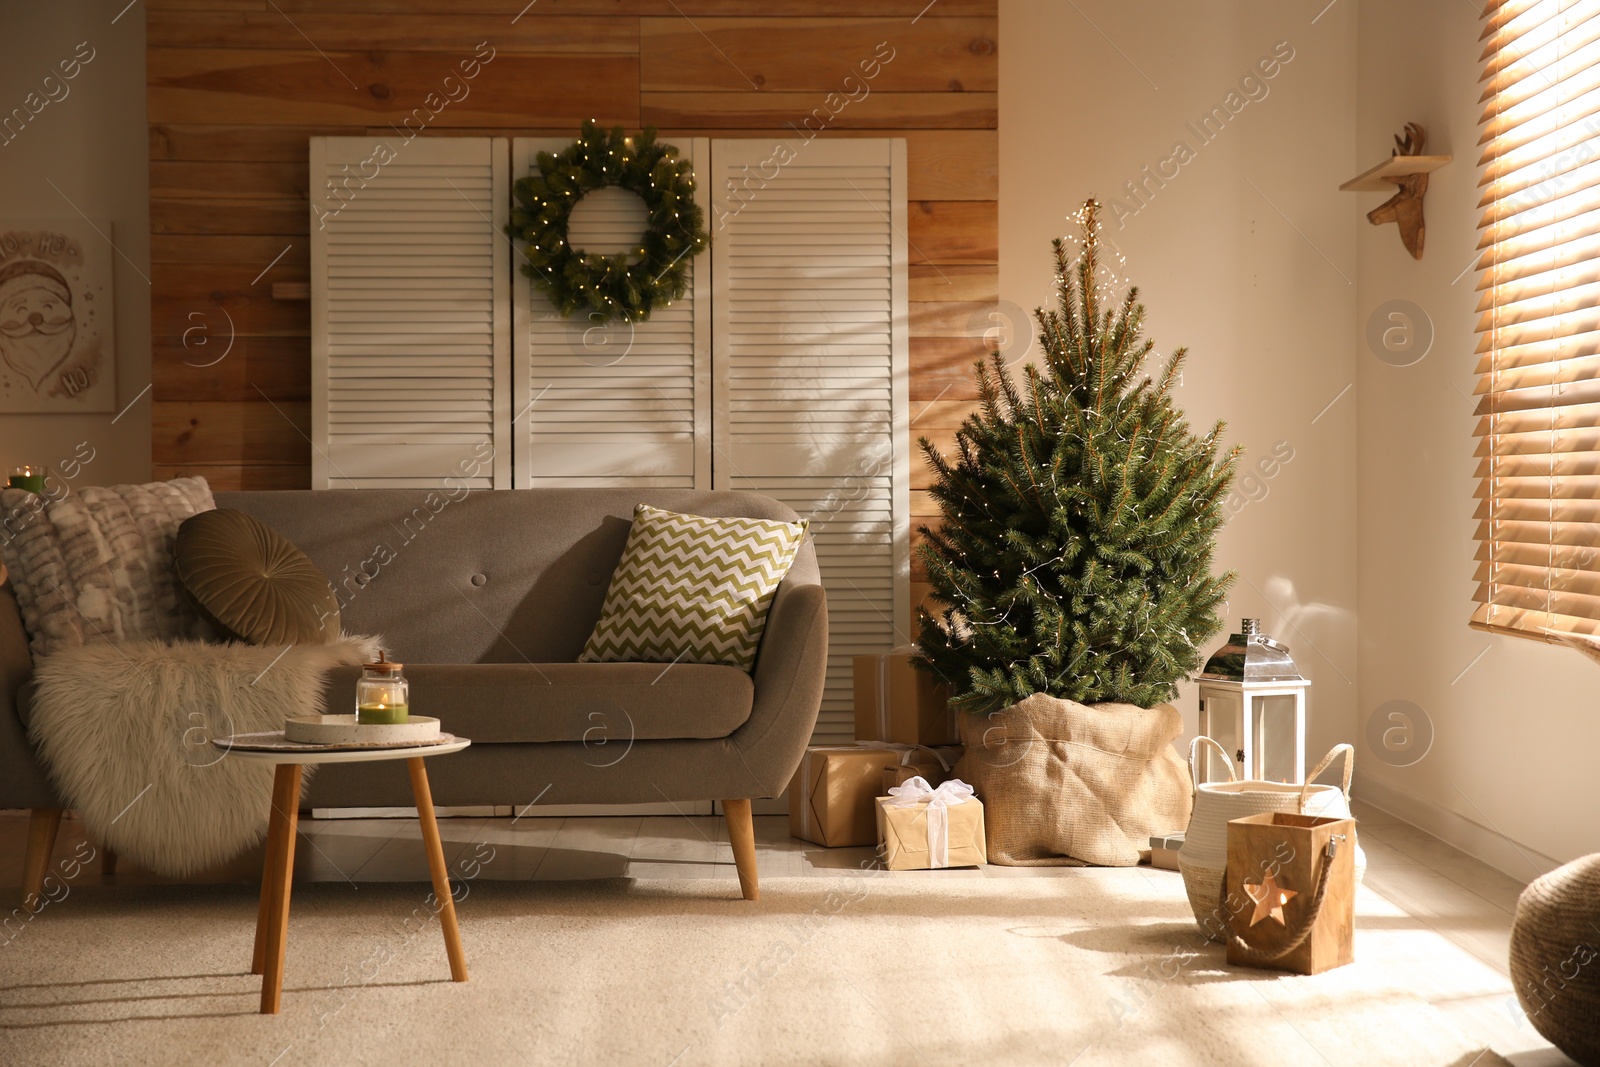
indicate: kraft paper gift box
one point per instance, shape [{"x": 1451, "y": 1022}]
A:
[
  {"x": 896, "y": 702},
  {"x": 1164, "y": 850},
  {"x": 934, "y": 764},
  {"x": 830, "y": 798},
  {"x": 922, "y": 828}
]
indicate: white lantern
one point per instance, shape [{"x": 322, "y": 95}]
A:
[{"x": 1253, "y": 704}]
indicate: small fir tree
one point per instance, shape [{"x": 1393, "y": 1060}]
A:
[{"x": 1079, "y": 516}]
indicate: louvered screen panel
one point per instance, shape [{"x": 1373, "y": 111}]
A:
[
  {"x": 809, "y": 361},
  {"x": 1538, "y": 412},
  {"x": 410, "y": 312},
  {"x": 616, "y": 403}
]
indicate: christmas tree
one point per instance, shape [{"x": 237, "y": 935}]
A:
[{"x": 1080, "y": 513}]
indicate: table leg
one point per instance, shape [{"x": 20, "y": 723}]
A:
[
  {"x": 286, "y": 812},
  {"x": 441, "y": 876},
  {"x": 270, "y": 877}
]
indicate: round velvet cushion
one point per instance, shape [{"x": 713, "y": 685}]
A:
[{"x": 253, "y": 582}]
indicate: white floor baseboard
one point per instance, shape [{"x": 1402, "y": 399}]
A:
[{"x": 1491, "y": 847}]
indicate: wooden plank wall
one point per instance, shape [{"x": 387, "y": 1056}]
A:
[{"x": 236, "y": 87}]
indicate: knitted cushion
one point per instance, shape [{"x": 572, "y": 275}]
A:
[
  {"x": 253, "y": 582},
  {"x": 691, "y": 589},
  {"x": 96, "y": 564}
]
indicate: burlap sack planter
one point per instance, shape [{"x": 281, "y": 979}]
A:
[{"x": 1063, "y": 782}]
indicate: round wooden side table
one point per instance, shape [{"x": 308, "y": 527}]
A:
[{"x": 288, "y": 757}]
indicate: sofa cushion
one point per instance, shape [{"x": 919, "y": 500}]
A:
[
  {"x": 252, "y": 582},
  {"x": 96, "y": 564},
  {"x": 602, "y": 705},
  {"x": 693, "y": 589}
]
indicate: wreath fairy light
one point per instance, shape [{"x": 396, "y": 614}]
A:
[{"x": 628, "y": 285}]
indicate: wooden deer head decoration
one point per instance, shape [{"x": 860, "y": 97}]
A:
[{"x": 1404, "y": 208}]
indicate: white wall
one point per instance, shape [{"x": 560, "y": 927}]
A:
[
  {"x": 1264, "y": 302},
  {"x": 1511, "y": 772},
  {"x": 92, "y": 144}
]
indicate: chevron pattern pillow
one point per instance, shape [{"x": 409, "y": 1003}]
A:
[{"x": 692, "y": 589}]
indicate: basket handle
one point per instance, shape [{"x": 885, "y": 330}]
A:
[
  {"x": 1349, "y": 754},
  {"x": 1194, "y": 753}
]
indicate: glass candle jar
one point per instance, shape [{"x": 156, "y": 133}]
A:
[
  {"x": 27, "y": 477},
  {"x": 383, "y": 696}
]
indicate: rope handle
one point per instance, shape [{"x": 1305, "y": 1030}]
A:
[
  {"x": 1334, "y": 753},
  {"x": 1194, "y": 770},
  {"x": 1262, "y": 956}
]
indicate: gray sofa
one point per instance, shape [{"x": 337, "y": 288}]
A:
[{"x": 488, "y": 597}]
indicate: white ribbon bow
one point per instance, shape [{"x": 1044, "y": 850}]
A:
[{"x": 916, "y": 791}]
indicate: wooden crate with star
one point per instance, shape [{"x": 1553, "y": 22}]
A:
[{"x": 1289, "y": 892}]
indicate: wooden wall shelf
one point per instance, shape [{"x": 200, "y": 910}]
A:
[
  {"x": 1377, "y": 179},
  {"x": 1404, "y": 174}
]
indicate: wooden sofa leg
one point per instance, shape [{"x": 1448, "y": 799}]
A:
[
  {"x": 742, "y": 836},
  {"x": 42, "y": 828},
  {"x": 108, "y": 862}
]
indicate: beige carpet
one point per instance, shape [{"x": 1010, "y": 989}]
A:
[{"x": 1087, "y": 969}]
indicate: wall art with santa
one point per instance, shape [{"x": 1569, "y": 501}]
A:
[{"x": 56, "y": 338}]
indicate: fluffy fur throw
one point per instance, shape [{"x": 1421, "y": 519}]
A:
[
  {"x": 96, "y": 564},
  {"x": 126, "y": 730}
]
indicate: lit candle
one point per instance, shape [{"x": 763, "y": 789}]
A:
[
  {"x": 28, "y": 477},
  {"x": 383, "y": 696},
  {"x": 382, "y": 713}
]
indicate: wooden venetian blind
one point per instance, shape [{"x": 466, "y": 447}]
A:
[{"x": 1538, "y": 413}]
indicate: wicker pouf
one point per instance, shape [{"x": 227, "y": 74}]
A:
[{"x": 1555, "y": 957}]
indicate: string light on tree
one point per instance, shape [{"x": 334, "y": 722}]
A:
[{"x": 1094, "y": 583}]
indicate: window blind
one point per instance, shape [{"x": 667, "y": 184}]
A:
[{"x": 1538, "y": 410}]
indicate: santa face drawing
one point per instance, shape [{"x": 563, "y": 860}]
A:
[{"x": 37, "y": 326}]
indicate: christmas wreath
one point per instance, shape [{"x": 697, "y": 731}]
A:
[{"x": 628, "y": 285}]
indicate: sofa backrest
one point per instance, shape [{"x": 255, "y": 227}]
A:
[{"x": 476, "y": 577}]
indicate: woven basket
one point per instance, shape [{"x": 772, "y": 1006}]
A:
[
  {"x": 1205, "y": 844},
  {"x": 1555, "y": 942}
]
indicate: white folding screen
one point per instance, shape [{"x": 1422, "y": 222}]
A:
[
  {"x": 809, "y": 358},
  {"x": 614, "y": 403},
  {"x": 783, "y": 369},
  {"x": 410, "y": 310}
]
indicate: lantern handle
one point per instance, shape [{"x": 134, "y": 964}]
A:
[
  {"x": 1349, "y": 754},
  {"x": 1194, "y": 769}
]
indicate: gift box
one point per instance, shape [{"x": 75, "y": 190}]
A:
[
  {"x": 830, "y": 798},
  {"x": 925, "y": 828},
  {"x": 896, "y": 702},
  {"x": 1164, "y": 850},
  {"x": 934, "y": 764}
]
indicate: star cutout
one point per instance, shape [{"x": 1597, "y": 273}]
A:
[{"x": 1269, "y": 898}]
